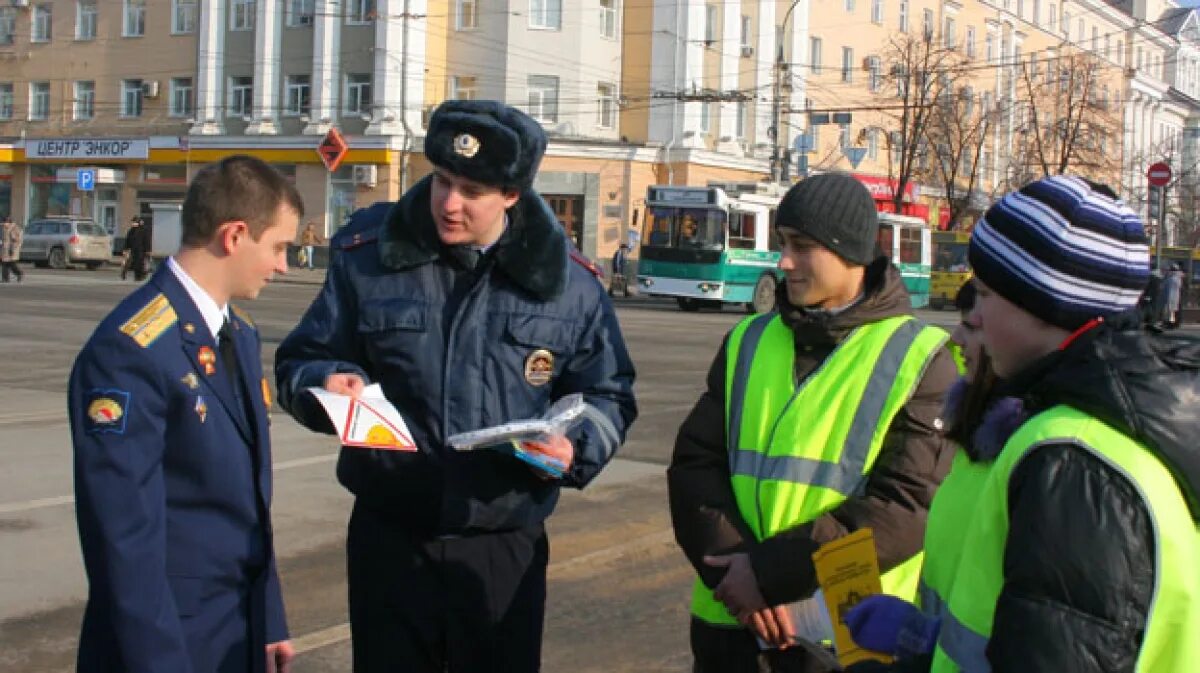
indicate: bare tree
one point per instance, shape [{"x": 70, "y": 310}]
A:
[
  {"x": 917, "y": 71},
  {"x": 1063, "y": 117},
  {"x": 959, "y": 129}
]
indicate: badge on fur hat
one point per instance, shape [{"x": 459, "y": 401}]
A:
[
  {"x": 539, "y": 367},
  {"x": 466, "y": 145}
]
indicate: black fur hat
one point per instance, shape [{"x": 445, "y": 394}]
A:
[{"x": 486, "y": 141}]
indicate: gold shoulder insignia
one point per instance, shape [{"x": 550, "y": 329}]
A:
[
  {"x": 151, "y": 321},
  {"x": 240, "y": 313}
]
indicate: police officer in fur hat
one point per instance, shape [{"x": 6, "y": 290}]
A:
[{"x": 463, "y": 301}]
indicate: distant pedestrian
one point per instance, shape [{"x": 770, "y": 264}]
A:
[
  {"x": 309, "y": 239},
  {"x": 137, "y": 244},
  {"x": 1172, "y": 296},
  {"x": 619, "y": 281},
  {"x": 10, "y": 249}
]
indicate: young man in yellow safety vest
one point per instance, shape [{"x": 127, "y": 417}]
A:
[
  {"x": 1077, "y": 549},
  {"x": 819, "y": 418}
]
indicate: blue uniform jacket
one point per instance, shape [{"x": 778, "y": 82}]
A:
[
  {"x": 172, "y": 487},
  {"x": 458, "y": 350}
]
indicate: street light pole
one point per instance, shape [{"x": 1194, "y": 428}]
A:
[{"x": 777, "y": 73}]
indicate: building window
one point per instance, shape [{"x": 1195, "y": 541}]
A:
[
  {"x": 6, "y": 100},
  {"x": 358, "y": 93},
  {"x": 970, "y": 39},
  {"x": 300, "y": 13},
  {"x": 843, "y": 136},
  {"x": 903, "y": 16},
  {"x": 1066, "y": 24},
  {"x": 241, "y": 15},
  {"x": 814, "y": 55},
  {"x": 950, "y": 33},
  {"x": 849, "y": 4},
  {"x": 606, "y": 113},
  {"x": 743, "y": 117},
  {"x": 1120, "y": 52},
  {"x": 847, "y": 64},
  {"x": 927, "y": 24},
  {"x": 135, "y": 19},
  {"x": 545, "y": 14},
  {"x": 85, "y": 20},
  {"x": 297, "y": 95},
  {"x": 42, "y": 29},
  {"x": 1052, "y": 17},
  {"x": 360, "y": 11},
  {"x": 8, "y": 25},
  {"x": 85, "y": 100},
  {"x": 543, "y": 98},
  {"x": 989, "y": 48},
  {"x": 1095, "y": 39},
  {"x": 814, "y": 138},
  {"x": 747, "y": 36},
  {"x": 1037, "y": 12},
  {"x": 241, "y": 96},
  {"x": 466, "y": 14},
  {"x": 131, "y": 98},
  {"x": 181, "y": 97},
  {"x": 183, "y": 18},
  {"x": 873, "y": 73},
  {"x": 876, "y": 11},
  {"x": 705, "y": 118},
  {"x": 710, "y": 25},
  {"x": 1079, "y": 29},
  {"x": 1020, "y": 9},
  {"x": 464, "y": 88},
  {"x": 39, "y": 101},
  {"x": 608, "y": 19}
]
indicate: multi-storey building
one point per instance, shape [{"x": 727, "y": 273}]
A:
[{"x": 668, "y": 91}]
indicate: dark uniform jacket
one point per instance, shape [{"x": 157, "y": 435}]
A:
[
  {"x": 172, "y": 487},
  {"x": 452, "y": 348},
  {"x": 895, "y": 503},
  {"x": 1079, "y": 563}
]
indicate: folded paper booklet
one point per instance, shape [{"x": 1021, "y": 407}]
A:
[
  {"x": 369, "y": 422},
  {"x": 848, "y": 571},
  {"x": 507, "y": 437}
]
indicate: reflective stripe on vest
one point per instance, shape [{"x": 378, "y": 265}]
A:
[
  {"x": 788, "y": 469},
  {"x": 1169, "y": 644}
]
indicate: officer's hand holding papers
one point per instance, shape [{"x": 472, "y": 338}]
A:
[
  {"x": 540, "y": 442},
  {"x": 367, "y": 420}
]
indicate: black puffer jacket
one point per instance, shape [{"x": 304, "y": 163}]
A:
[{"x": 1079, "y": 563}]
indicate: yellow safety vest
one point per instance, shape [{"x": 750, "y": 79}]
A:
[
  {"x": 968, "y": 530},
  {"x": 798, "y": 451}
]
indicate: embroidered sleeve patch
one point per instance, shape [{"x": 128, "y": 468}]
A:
[
  {"x": 107, "y": 410},
  {"x": 150, "y": 322}
]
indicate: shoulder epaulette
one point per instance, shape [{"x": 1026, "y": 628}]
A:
[
  {"x": 149, "y": 323},
  {"x": 359, "y": 238},
  {"x": 586, "y": 263},
  {"x": 241, "y": 314}
]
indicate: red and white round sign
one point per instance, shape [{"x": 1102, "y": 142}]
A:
[{"x": 1159, "y": 174}]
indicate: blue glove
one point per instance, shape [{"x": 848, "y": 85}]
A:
[{"x": 888, "y": 624}]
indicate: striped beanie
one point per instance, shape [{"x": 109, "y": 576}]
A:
[{"x": 1064, "y": 249}]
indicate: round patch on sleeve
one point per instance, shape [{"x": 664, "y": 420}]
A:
[{"x": 107, "y": 410}]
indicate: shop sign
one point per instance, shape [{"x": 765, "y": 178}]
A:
[{"x": 88, "y": 148}]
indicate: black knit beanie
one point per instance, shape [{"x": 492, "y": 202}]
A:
[{"x": 835, "y": 210}]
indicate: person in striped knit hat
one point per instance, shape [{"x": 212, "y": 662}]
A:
[{"x": 1076, "y": 547}]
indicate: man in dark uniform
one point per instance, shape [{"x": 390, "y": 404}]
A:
[
  {"x": 137, "y": 244},
  {"x": 462, "y": 301},
  {"x": 168, "y": 408}
]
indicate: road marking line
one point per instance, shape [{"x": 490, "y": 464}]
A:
[
  {"x": 56, "y": 501},
  {"x": 340, "y": 633}
]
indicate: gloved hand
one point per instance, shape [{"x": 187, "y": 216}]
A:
[{"x": 888, "y": 624}]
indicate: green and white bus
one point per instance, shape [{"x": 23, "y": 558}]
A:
[
  {"x": 706, "y": 246},
  {"x": 711, "y": 246}
]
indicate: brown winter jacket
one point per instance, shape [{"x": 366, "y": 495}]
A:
[{"x": 895, "y": 502}]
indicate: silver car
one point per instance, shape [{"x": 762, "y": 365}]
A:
[{"x": 60, "y": 242}]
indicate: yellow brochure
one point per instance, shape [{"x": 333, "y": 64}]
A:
[{"x": 848, "y": 571}]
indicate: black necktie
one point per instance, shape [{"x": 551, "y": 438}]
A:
[{"x": 229, "y": 360}]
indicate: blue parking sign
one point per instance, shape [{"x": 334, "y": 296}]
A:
[{"x": 85, "y": 179}]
